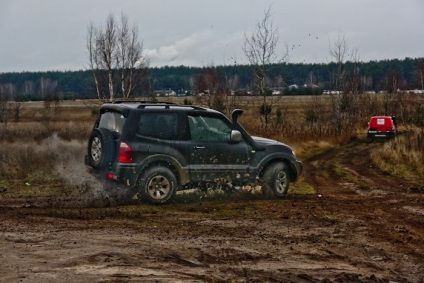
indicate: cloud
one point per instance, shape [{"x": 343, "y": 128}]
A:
[
  {"x": 199, "y": 49},
  {"x": 178, "y": 51},
  {"x": 52, "y": 35}
]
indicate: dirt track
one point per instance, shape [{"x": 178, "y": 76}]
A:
[{"x": 361, "y": 226}]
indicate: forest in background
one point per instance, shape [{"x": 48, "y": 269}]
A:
[{"x": 389, "y": 76}]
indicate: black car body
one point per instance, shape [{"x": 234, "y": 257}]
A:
[{"x": 155, "y": 149}]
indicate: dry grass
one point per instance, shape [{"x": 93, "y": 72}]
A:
[
  {"x": 38, "y": 131},
  {"x": 37, "y": 152},
  {"x": 307, "y": 149},
  {"x": 403, "y": 157},
  {"x": 45, "y": 168},
  {"x": 26, "y": 159},
  {"x": 42, "y": 149}
]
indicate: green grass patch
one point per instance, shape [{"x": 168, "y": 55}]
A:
[
  {"x": 301, "y": 187},
  {"x": 339, "y": 171},
  {"x": 333, "y": 219}
]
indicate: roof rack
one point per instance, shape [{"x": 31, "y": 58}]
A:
[
  {"x": 142, "y": 101},
  {"x": 167, "y": 106},
  {"x": 195, "y": 107},
  {"x": 144, "y": 105}
]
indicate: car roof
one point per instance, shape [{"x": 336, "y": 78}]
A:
[
  {"x": 380, "y": 117},
  {"x": 125, "y": 107}
]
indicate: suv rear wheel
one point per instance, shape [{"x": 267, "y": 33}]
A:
[
  {"x": 101, "y": 148},
  {"x": 158, "y": 185},
  {"x": 276, "y": 177}
]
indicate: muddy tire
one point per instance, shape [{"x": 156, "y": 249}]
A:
[
  {"x": 276, "y": 178},
  {"x": 101, "y": 148},
  {"x": 158, "y": 185}
]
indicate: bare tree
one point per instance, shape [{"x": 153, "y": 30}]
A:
[
  {"x": 262, "y": 51},
  {"x": 116, "y": 58},
  {"x": 354, "y": 83},
  {"x": 4, "y": 108},
  {"x": 211, "y": 89},
  {"x": 419, "y": 73},
  {"x": 15, "y": 104},
  {"x": 344, "y": 100},
  {"x": 232, "y": 84},
  {"x": 51, "y": 100},
  {"x": 339, "y": 50},
  {"x": 17, "y": 107}
]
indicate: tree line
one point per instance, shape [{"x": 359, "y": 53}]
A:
[{"x": 385, "y": 75}]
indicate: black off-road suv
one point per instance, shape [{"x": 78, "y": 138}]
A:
[{"x": 155, "y": 149}]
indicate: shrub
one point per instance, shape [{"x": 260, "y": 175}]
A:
[{"x": 187, "y": 101}]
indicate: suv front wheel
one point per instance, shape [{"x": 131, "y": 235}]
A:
[
  {"x": 276, "y": 178},
  {"x": 158, "y": 185}
]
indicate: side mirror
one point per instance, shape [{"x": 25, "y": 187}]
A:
[{"x": 236, "y": 136}]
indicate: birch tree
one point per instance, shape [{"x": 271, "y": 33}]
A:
[{"x": 116, "y": 58}]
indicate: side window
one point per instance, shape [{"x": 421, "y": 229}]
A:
[
  {"x": 113, "y": 121},
  {"x": 158, "y": 125},
  {"x": 203, "y": 128}
]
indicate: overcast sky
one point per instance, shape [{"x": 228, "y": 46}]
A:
[{"x": 48, "y": 35}]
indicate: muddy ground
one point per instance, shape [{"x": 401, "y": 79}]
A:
[{"x": 360, "y": 226}]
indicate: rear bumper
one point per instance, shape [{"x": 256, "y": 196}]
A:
[
  {"x": 122, "y": 176},
  {"x": 380, "y": 135}
]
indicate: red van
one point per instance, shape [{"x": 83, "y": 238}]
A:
[{"x": 381, "y": 127}]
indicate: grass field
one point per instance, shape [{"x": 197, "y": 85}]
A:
[
  {"x": 355, "y": 215},
  {"x": 44, "y": 140}
]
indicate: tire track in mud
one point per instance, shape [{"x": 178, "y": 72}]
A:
[
  {"x": 347, "y": 169},
  {"x": 389, "y": 210},
  {"x": 363, "y": 228}
]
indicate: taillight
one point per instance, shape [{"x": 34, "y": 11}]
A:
[
  {"x": 110, "y": 176},
  {"x": 126, "y": 154}
]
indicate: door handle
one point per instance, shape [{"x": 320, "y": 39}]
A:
[{"x": 199, "y": 147}]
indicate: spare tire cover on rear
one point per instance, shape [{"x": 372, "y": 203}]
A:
[{"x": 101, "y": 148}]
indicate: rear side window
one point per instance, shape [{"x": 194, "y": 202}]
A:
[
  {"x": 112, "y": 121},
  {"x": 158, "y": 125}
]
